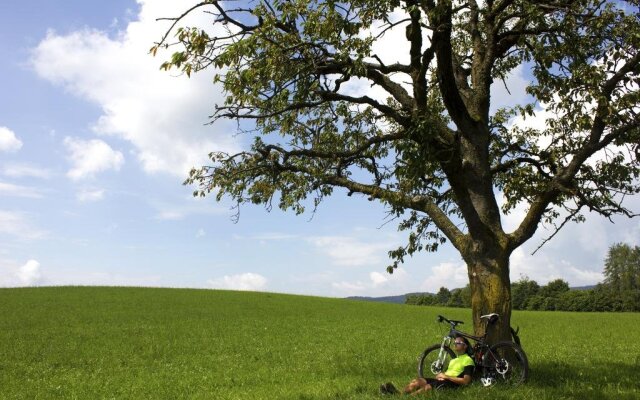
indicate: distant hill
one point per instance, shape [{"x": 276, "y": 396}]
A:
[
  {"x": 588, "y": 287},
  {"x": 400, "y": 299}
]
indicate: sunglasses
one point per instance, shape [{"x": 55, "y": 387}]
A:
[{"x": 459, "y": 343}]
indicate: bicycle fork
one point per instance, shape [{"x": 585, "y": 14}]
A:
[{"x": 446, "y": 341}]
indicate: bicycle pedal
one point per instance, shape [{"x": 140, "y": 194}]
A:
[{"x": 486, "y": 382}]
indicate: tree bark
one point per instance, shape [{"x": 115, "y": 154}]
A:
[{"x": 490, "y": 292}]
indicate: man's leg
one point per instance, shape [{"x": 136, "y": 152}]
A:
[{"x": 417, "y": 385}]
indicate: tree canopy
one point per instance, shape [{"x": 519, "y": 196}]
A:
[{"x": 427, "y": 144}]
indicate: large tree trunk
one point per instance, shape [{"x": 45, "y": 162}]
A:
[{"x": 491, "y": 293}]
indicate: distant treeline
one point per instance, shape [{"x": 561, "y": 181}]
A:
[{"x": 620, "y": 290}]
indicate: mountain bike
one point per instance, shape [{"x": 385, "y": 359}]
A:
[{"x": 501, "y": 363}]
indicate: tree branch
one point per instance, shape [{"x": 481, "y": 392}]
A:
[
  {"x": 418, "y": 203},
  {"x": 176, "y": 20},
  {"x": 384, "y": 109},
  {"x": 446, "y": 77},
  {"x": 566, "y": 220}
]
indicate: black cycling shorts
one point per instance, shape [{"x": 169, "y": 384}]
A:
[{"x": 437, "y": 385}]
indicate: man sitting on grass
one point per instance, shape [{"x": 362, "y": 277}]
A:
[{"x": 458, "y": 374}]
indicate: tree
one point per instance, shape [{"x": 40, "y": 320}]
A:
[
  {"x": 426, "y": 299},
  {"x": 575, "y": 300},
  {"x": 521, "y": 291},
  {"x": 431, "y": 148},
  {"x": 443, "y": 296},
  {"x": 622, "y": 267},
  {"x": 460, "y": 297},
  {"x": 605, "y": 299},
  {"x": 554, "y": 288},
  {"x": 465, "y": 294},
  {"x": 622, "y": 276},
  {"x": 535, "y": 302}
]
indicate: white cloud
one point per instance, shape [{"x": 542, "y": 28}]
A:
[
  {"x": 581, "y": 277},
  {"x": 25, "y": 170},
  {"x": 378, "y": 278},
  {"x": 631, "y": 234},
  {"x": 543, "y": 268},
  {"x": 393, "y": 47},
  {"x": 447, "y": 274},
  {"x": 90, "y": 195},
  {"x": 200, "y": 233},
  {"x": 9, "y": 189},
  {"x": 349, "y": 251},
  {"x": 163, "y": 116},
  {"x": 12, "y": 274},
  {"x": 16, "y": 224},
  {"x": 398, "y": 279},
  {"x": 29, "y": 274},
  {"x": 247, "y": 281},
  {"x": 90, "y": 157},
  {"x": 378, "y": 284},
  {"x": 8, "y": 140}
]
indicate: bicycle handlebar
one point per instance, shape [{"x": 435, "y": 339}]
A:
[
  {"x": 450, "y": 321},
  {"x": 493, "y": 317}
]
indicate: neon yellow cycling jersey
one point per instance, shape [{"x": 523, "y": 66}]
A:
[{"x": 456, "y": 366}]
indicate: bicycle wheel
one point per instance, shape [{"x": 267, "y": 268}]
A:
[
  {"x": 429, "y": 364},
  {"x": 505, "y": 364}
]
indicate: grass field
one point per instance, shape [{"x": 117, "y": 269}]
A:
[{"x": 133, "y": 343}]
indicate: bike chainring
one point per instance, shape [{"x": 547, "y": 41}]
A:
[{"x": 502, "y": 367}]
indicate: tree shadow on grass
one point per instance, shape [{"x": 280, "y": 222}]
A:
[{"x": 611, "y": 379}]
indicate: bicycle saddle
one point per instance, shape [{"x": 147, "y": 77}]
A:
[{"x": 493, "y": 317}]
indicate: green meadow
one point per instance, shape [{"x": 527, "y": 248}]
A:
[{"x": 142, "y": 343}]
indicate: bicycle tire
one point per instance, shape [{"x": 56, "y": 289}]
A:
[
  {"x": 429, "y": 363},
  {"x": 505, "y": 364}
]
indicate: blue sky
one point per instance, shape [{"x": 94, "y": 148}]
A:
[{"x": 95, "y": 142}]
